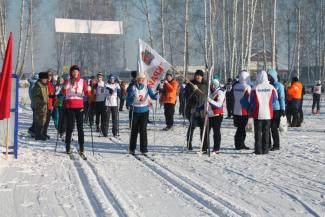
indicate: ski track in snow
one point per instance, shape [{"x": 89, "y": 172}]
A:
[{"x": 289, "y": 182}]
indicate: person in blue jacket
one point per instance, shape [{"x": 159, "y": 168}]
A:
[
  {"x": 138, "y": 98},
  {"x": 278, "y": 108},
  {"x": 32, "y": 81}
]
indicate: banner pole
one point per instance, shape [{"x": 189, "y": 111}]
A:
[{"x": 7, "y": 139}]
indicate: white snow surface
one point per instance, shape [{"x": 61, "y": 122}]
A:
[{"x": 41, "y": 182}]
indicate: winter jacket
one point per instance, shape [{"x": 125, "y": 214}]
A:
[
  {"x": 113, "y": 92},
  {"x": 32, "y": 82},
  {"x": 170, "y": 92},
  {"x": 196, "y": 99},
  {"x": 138, "y": 97},
  {"x": 40, "y": 97},
  {"x": 242, "y": 92},
  {"x": 74, "y": 92},
  {"x": 262, "y": 99},
  {"x": 101, "y": 91},
  {"x": 51, "y": 95},
  {"x": 295, "y": 91},
  {"x": 216, "y": 101},
  {"x": 280, "y": 103},
  {"x": 317, "y": 89}
]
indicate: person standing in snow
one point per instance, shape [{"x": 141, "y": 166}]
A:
[
  {"x": 32, "y": 81},
  {"x": 100, "y": 93},
  {"x": 74, "y": 90},
  {"x": 229, "y": 98},
  {"x": 196, "y": 94},
  {"x": 41, "y": 103},
  {"x": 241, "y": 92},
  {"x": 278, "y": 108},
  {"x": 182, "y": 100},
  {"x": 123, "y": 87},
  {"x": 216, "y": 101},
  {"x": 317, "y": 91},
  {"x": 262, "y": 100},
  {"x": 131, "y": 84},
  {"x": 51, "y": 91},
  {"x": 60, "y": 106},
  {"x": 168, "y": 90},
  {"x": 294, "y": 94},
  {"x": 111, "y": 104},
  {"x": 138, "y": 99}
]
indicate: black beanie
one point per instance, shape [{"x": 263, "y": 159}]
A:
[
  {"x": 43, "y": 75},
  {"x": 134, "y": 74},
  {"x": 199, "y": 72}
]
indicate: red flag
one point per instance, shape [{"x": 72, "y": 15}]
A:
[{"x": 5, "y": 82}]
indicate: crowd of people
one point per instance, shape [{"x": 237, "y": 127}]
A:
[{"x": 71, "y": 100}]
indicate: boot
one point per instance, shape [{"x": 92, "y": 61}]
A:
[
  {"x": 313, "y": 111},
  {"x": 318, "y": 112}
]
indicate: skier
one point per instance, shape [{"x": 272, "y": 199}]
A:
[
  {"x": 168, "y": 98},
  {"x": 229, "y": 98},
  {"x": 181, "y": 97},
  {"x": 262, "y": 99},
  {"x": 317, "y": 91},
  {"x": 216, "y": 101},
  {"x": 32, "y": 81},
  {"x": 40, "y": 103},
  {"x": 60, "y": 107},
  {"x": 111, "y": 106},
  {"x": 131, "y": 84},
  {"x": 138, "y": 98},
  {"x": 100, "y": 93},
  {"x": 241, "y": 92},
  {"x": 294, "y": 94},
  {"x": 74, "y": 89},
  {"x": 51, "y": 92},
  {"x": 278, "y": 108},
  {"x": 196, "y": 94},
  {"x": 123, "y": 87}
]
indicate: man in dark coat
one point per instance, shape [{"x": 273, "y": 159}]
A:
[
  {"x": 40, "y": 99},
  {"x": 195, "y": 94}
]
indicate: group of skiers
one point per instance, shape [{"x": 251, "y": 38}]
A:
[{"x": 72, "y": 99}]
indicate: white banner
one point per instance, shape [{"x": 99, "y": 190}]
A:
[
  {"x": 88, "y": 26},
  {"x": 151, "y": 63}
]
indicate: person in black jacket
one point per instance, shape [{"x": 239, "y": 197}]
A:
[
  {"x": 229, "y": 98},
  {"x": 195, "y": 94}
]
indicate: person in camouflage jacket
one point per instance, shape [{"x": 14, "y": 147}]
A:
[{"x": 40, "y": 99}]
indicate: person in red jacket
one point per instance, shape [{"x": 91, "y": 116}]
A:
[
  {"x": 74, "y": 90},
  {"x": 51, "y": 91}
]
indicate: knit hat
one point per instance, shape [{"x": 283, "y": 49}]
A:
[
  {"x": 74, "y": 67},
  {"x": 215, "y": 82},
  {"x": 134, "y": 74},
  {"x": 100, "y": 74},
  {"x": 199, "y": 72},
  {"x": 169, "y": 73},
  {"x": 43, "y": 75}
]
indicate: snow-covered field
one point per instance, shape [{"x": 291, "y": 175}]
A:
[{"x": 289, "y": 182}]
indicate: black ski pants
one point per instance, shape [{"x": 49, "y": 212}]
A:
[
  {"x": 240, "y": 122},
  {"x": 275, "y": 123},
  {"x": 100, "y": 115},
  {"x": 261, "y": 135},
  {"x": 110, "y": 111},
  {"x": 316, "y": 101},
  {"x": 139, "y": 126},
  {"x": 74, "y": 115},
  {"x": 215, "y": 125},
  {"x": 169, "y": 110}
]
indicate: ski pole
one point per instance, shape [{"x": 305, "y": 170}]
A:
[{"x": 92, "y": 138}]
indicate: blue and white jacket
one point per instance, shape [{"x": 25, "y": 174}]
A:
[
  {"x": 280, "y": 103},
  {"x": 242, "y": 92},
  {"x": 139, "y": 98}
]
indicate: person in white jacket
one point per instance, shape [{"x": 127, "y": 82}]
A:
[
  {"x": 262, "y": 100},
  {"x": 241, "y": 92},
  {"x": 111, "y": 104},
  {"x": 100, "y": 93}
]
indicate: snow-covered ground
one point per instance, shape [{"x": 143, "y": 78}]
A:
[{"x": 289, "y": 182}]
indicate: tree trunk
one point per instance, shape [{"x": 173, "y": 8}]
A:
[
  {"x": 212, "y": 23},
  {"x": 205, "y": 35},
  {"x": 299, "y": 41},
  {"x": 263, "y": 35},
  {"x": 224, "y": 39},
  {"x": 31, "y": 37},
  {"x": 20, "y": 42},
  {"x": 234, "y": 38},
  {"x": 162, "y": 28},
  {"x": 186, "y": 20},
  {"x": 274, "y": 34}
]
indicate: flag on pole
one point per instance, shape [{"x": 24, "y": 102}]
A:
[
  {"x": 151, "y": 64},
  {"x": 5, "y": 82}
]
